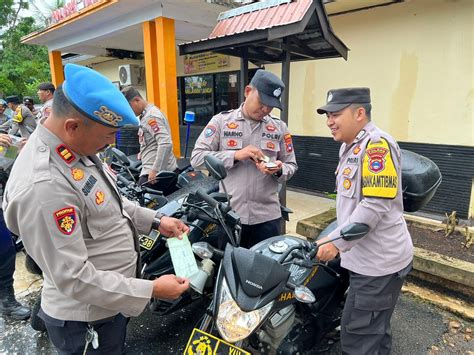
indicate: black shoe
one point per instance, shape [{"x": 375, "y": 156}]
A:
[{"x": 14, "y": 309}]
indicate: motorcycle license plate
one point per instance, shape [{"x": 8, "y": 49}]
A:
[
  {"x": 202, "y": 343},
  {"x": 147, "y": 241}
]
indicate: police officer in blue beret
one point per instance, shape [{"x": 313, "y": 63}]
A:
[{"x": 76, "y": 226}]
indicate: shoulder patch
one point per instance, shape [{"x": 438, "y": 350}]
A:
[
  {"x": 209, "y": 131},
  {"x": 379, "y": 176},
  {"x": 65, "y": 220},
  {"x": 65, "y": 153},
  {"x": 288, "y": 143},
  {"x": 18, "y": 116},
  {"x": 154, "y": 125}
]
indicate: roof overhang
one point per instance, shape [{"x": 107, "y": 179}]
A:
[{"x": 310, "y": 37}]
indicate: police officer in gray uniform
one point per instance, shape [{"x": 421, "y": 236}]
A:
[
  {"x": 369, "y": 191},
  {"x": 3, "y": 116},
  {"x": 76, "y": 226},
  {"x": 23, "y": 121},
  {"x": 45, "y": 94},
  {"x": 242, "y": 139},
  {"x": 156, "y": 146}
]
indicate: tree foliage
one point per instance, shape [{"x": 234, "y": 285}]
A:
[{"x": 23, "y": 66}]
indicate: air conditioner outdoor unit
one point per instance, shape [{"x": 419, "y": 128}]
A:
[{"x": 130, "y": 74}]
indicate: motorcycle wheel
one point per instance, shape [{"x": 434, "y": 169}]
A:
[{"x": 35, "y": 321}]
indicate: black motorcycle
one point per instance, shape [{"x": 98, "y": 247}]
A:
[
  {"x": 166, "y": 181},
  {"x": 276, "y": 298}
]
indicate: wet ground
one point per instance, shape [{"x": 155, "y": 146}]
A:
[{"x": 418, "y": 328}]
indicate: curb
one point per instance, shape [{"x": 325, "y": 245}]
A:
[{"x": 441, "y": 270}]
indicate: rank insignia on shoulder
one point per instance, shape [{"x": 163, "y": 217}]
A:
[
  {"x": 154, "y": 125},
  {"x": 65, "y": 153},
  {"x": 99, "y": 197},
  {"x": 77, "y": 174},
  {"x": 65, "y": 220},
  {"x": 232, "y": 125}
]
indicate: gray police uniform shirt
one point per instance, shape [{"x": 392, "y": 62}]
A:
[
  {"x": 45, "y": 110},
  {"x": 23, "y": 121},
  {"x": 156, "y": 146},
  {"x": 3, "y": 118},
  {"x": 78, "y": 229},
  {"x": 387, "y": 248},
  {"x": 254, "y": 194}
]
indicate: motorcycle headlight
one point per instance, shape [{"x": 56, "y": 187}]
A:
[{"x": 233, "y": 323}]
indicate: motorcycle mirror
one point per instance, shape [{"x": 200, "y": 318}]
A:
[
  {"x": 215, "y": 166},
  {"x": 304, "y": 294},
  {"x": 120, "y": 156},
  {"x": 203, "y": 249},
  {"x": 354, "y": 231}
]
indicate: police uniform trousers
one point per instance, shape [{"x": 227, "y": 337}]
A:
[
  {"x": 255, "y": 233},
  {"x": 7, "y": 259},
  {"x": 365, "y": 323},
  {"x": 69, "y": 337}
]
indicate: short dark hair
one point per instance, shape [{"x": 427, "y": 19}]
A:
[
  {"x": 366, "y": 107},
  {"x": 130, "y": 93},
  {"x": 46, "y": 86},
  {"x": 61, "y": 106}
]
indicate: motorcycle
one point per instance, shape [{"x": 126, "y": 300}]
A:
[
  {"x": 275, "y": 298},
  {"x": 165, "y": 181}
]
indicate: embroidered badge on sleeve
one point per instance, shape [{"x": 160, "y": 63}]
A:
[
  {"x": 379, "y": 176},
  {"x": 65, "y": 220},
  {"x": 154, "y": 125}
]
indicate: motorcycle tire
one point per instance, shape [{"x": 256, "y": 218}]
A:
[{"x": 35, "y": 321}]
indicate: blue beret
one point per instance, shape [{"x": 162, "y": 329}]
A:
[{"x": 93, "y": 95}]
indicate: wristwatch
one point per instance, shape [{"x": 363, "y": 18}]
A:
[{"x": 156, "y": 222}]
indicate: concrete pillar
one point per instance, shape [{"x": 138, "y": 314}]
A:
[
  {"x": 150, "y": 44},
  {"x": 168, "y": 90},
  {"x": 56, "y": 65}
]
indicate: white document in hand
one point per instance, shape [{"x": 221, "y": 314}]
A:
[{"x": 182, "y": 257}]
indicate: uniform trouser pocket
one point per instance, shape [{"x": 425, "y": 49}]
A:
[{"x": 369, "y": 315}]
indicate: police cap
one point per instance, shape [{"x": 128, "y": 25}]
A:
[
  {"x": 3, "y": 103},
  {"x": 93, "y": 95},
  {"x": 339, "y": 99},
  {"x": 269, "y": 87},
  {"x": 28, "y": 100},
  {"x": 12, "y": 99},
  {"x": 46, "y": 87}
]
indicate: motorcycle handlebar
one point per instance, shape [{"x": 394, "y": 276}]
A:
[
  {"x": 206, "y": 198},
  {"x": 123, "y": 180}
]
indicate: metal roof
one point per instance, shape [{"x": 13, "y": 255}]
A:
[{"x": 264, "y": 30}]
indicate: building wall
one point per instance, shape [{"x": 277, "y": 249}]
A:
[{"x": 417, "y": 58}]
